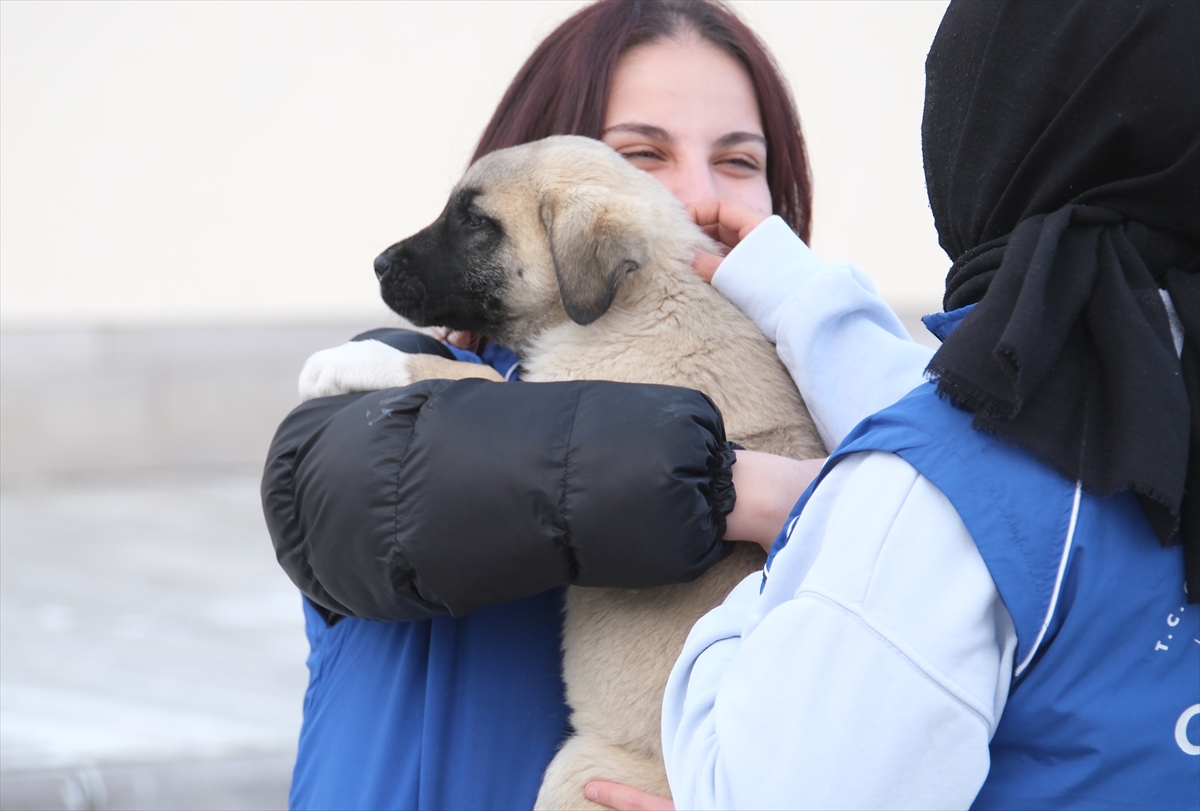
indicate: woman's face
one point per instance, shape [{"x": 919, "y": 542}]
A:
[{"x": 685, "y": 111}]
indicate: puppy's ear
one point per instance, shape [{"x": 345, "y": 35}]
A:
[{"x": 595, "y": 239}]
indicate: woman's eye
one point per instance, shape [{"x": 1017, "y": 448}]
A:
[
  {"x": 640, "y": 154},
  {"x": 742, "y": 163}
]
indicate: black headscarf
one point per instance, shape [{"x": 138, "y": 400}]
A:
[{"x": 1062, "y": 155}]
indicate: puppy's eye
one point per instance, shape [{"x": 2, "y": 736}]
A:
[{"x": 474, "y": 220}]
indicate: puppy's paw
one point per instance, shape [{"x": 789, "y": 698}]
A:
[{"x": 356, "y": 366}]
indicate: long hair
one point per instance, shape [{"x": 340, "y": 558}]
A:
[{"x": 563, "y": 88}]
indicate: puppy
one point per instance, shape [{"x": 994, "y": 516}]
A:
[{"x": 581, "y": 264}]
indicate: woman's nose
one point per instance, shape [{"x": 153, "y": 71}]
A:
[{"x": 692, "y": 181}]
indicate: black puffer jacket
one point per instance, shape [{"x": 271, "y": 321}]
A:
[{"x": 443, "y": 497}]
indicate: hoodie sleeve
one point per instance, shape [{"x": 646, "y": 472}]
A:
[{"x": 847, "y": 351}]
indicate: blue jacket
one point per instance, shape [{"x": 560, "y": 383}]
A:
[{"x": 387, "y": 701}]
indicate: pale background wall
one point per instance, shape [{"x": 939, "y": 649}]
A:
[{"x": 170, "y": 164}]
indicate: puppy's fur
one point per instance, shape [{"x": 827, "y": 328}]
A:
[{"x": 582, "y": 265}]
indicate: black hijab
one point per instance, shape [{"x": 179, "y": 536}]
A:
[{"x": 1062, "y": 156}]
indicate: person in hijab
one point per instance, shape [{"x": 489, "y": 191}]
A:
[{"x": 989, "y": 598}]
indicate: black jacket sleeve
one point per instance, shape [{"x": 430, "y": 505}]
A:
[{"x": 443, "y": 497}]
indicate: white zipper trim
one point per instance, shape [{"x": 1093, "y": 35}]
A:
[{"x": 1062, "y": 568}]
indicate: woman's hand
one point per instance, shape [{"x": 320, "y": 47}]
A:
[
  {"x": 625, "y": 798},
  {"x": 727, "y": 222},
  {"x": 767, "y": 488}
]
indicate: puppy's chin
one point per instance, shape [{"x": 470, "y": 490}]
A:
[{"x": 409, "y": 301}]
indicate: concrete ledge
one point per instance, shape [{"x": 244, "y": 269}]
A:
[
  {"x": 94, "y": 400},
  {"x": 138, "y": 398}
]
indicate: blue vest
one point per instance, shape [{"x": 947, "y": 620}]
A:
[
  {"x": 444, "y": 714},
  {"x": 1104, "y": 707}
]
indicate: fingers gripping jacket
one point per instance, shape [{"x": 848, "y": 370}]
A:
[{"x": 443, "y": 497}]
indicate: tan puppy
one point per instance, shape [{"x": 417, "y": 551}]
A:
[{"x": 582, "y": 265}]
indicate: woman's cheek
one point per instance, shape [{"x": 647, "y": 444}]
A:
[{"x": 751, "y": 192}]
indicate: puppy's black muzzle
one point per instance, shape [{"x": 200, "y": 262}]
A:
[
  {"x": 440, "y": 277},
  {"x": 401, "y": 281}
]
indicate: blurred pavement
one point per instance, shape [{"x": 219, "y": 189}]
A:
[{"x": 152, "y": 650}]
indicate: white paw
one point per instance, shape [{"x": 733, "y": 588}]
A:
[{"x": 356, "y": 366}]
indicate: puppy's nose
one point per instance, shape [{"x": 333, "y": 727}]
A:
[{"x": 382, "y": 265}]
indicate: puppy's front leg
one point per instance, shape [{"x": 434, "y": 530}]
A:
[
  {"x": 432, "y": 367},
  {"x": 372, "y": 365}
]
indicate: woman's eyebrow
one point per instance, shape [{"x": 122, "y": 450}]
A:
[
  {"x": 648, "y": 130},
  {"x": 735, "y": 138},
  {"x": 659, "y": 134}
]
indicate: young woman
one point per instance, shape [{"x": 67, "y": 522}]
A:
[
  {"x": 450, "y": 704},
  {"x": 987, "y": 606}
]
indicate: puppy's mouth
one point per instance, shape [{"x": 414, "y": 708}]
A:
[
  {"x": 404, "y": 294},
  {"x": 439, "y": 296}
]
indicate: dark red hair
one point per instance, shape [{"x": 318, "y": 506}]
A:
[{"x": 562, "y": 89}]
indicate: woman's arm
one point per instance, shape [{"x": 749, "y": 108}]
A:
[
  {"x": 445, "y": 496},
  {"x": 869, "y": 673},
  {"x": 767, "y": 488}
]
